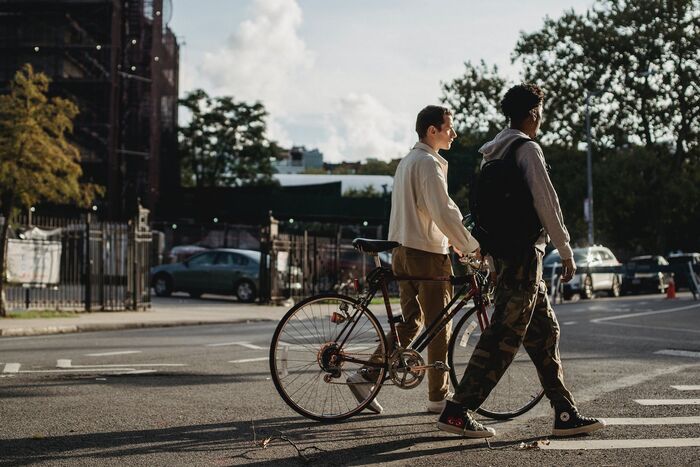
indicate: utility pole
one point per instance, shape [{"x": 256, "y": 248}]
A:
[{"x": 588, "y": 208}]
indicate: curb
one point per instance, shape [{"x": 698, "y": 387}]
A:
[{"x": 93, "y": 327}]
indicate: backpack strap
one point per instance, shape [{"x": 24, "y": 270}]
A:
[{"x": 514, "y": 146}]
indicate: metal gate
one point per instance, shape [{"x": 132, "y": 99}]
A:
[{"x": 104, "y": 266}]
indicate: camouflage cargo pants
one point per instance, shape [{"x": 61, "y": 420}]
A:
[{"x": 522, "y": 315}]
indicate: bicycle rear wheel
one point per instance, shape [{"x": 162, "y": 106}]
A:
[
  {"x": 518, "y": 391},
  {"x": 308, "y": 356}
]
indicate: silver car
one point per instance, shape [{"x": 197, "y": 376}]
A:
[{"x": 584, "y": 284}]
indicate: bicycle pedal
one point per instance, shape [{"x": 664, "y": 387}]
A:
[{"x": 442, "y": 366}]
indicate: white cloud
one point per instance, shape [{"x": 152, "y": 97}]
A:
[
  {"x": 261, "y": 57},
  {"x": 361, "y": 127},
  {"x": 265, "y": 59}
]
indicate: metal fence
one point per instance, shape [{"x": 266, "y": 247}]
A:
[
  {"x": 302, "y": 264},
  {"x": 103, "y": 265}
]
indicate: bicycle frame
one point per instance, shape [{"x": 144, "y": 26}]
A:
[{"x": 378, "y": 279}]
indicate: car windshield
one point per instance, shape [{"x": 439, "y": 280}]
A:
[{"x": 581, "y": 256}]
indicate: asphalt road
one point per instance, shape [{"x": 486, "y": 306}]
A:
[{"x": 202, "y": 395}]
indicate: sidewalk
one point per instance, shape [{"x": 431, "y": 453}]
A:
[{"x": 175, "y": 311}]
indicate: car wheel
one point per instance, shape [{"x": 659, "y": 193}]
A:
[
  {"x": 587, "y": 288},
  {"x": 163, "y": 285},
  {"x": 245, "y": 291},
  {"x": 194, "y": 294},
  {"x": 615, "y": 290},
  {"x": 568, "y": 295}
]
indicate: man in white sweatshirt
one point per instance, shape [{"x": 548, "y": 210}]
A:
[
  {"x": 522, "y": 314},
  {"x": 425, "y": 221}
]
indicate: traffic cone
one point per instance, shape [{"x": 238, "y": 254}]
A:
[{"x": 671, "y": 289}]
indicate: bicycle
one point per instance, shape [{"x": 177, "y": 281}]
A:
[{"x": 326, "y": 338}]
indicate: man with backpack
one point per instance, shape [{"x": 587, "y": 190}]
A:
[{"x": 516, "y": 212}]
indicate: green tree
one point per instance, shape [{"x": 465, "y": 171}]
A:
[
  {"x": 367, "y": 192},
  {"x": 378, "y": 167},
  {"x": 224, "y": 143},
  {"x": 642, "y": 54},
  {"x": 474, "y": 100},
  {"x": 37, "y": 162}
]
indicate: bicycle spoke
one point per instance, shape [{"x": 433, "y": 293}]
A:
[
  {"x": 310, "y": 371},
  {"x": 518, "y": 389}
]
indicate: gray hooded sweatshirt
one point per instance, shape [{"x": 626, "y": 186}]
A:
[{"x": 530, "y": 159}]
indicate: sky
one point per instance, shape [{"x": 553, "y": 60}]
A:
[{"x": 347, "y": 76}]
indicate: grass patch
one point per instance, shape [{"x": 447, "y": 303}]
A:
[
  {"x": 380, "y": 301},
  {"x": 37, "y": 314}
]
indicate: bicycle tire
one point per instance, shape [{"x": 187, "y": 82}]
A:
[
  {"x": 313, "y": 316},
  {"x": 518, "y": 391}
]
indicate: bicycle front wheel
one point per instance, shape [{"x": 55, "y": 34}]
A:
[
  {"x": 319, "y": 344},
  {"x": 519, "y": 389}
]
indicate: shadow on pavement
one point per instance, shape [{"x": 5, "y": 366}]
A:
[{"x": 242, "y": 442}]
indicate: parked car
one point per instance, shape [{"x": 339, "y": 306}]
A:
[
  {"x": 586, "y": 285},
  {"x": 225, "y": 271},
  {"x": 681, "y": 261},
  {"x": 180, "y": 253},
  {"x": 640, "y": 275}
]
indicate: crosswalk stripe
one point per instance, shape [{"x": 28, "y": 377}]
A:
[
  {"x": 12, "y": 368},
  {"x": 621, "y": 443},
  {"x": 687, "y": 387},
  {"x": 106, "y": 354},
  {"x": 653, "y": 421},
  {"x": 668, "y": 401},
  {"x": 247, "y": 360},
  {"x": 247, "y": 345}
]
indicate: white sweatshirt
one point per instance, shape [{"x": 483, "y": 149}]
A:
[
  {"x": 530, "y": 159},
  {"x": 423, "y": 216}
]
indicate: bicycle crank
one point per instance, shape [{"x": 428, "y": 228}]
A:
[{"x": 407, "y": 368}]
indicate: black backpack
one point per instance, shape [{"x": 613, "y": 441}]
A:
[{"x": 502, "y": 210}]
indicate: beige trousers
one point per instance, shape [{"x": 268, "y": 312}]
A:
[{"x": 421, "y": 302}]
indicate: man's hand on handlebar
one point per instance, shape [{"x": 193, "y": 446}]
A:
[{"x": 473, "y": 259}]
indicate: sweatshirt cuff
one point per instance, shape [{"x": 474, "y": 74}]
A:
[{"x": 565, "y": 252}]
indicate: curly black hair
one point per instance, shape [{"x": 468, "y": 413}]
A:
[{"x": 520, "y": 99}]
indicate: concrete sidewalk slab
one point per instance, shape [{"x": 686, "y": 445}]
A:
[{"x": 173, "y": 311}]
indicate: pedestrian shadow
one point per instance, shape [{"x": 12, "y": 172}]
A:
[{"x": 242, "y": 440}]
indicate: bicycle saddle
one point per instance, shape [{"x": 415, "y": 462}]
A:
[{"x": 373, "y": 246}]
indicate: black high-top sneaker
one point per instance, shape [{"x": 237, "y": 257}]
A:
[
  {"x": 456, "y": 419},
  {"x": 568, "y": 422}
]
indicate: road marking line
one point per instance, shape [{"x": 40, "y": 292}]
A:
[
  {"x": 668, "y": 401},
  {"x": 644, "y": 313},
  {"x": 247, "y": 345},
  {"x": 622, "y": 443},
  {"x": 12, "y": 368},
  {"x": 105, "y": 354},
  {"x": 65, "y": 363},
  {"x": 247, "y": 360},
  {"x": 654, "y": 421},
  {"x": 687, "y": 387},
  {"x": 593, "y": 392},
  {"x": 655, "y": 328},
  {"x": 79, "y": 370},
  {"x": 569, "y": 323},
  {"x": 678, "y": 353}
]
